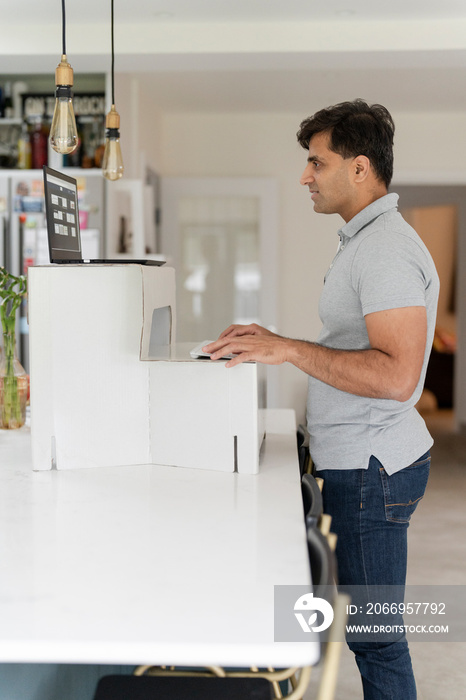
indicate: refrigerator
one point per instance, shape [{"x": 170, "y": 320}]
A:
[{"x": 23, "y": 233}]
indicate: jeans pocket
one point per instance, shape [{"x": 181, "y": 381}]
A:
[{"x": 404, "y": 489}]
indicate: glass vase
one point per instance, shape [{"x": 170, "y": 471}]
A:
[{"x": 13, "y": 386}]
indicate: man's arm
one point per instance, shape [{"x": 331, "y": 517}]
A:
[{"x": 390, "y": 369}]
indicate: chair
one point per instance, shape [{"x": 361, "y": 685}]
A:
[
  {"x": 312, "y": 500},
  {"x": 125, "y": 687},
  {"x": 299, "y": 679},
  {"x": 332, "y": 650},
  {"x": 305, "y": 462},
  {"x": 311, "y": 489},
  {"x": 323, "y": 563}
]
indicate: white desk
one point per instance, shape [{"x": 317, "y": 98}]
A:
[{"x": 150, "y": 564}]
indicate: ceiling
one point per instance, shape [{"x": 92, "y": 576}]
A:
[
  {"x": 255, "y": 55},
  {"x": 89, "y": 11}
]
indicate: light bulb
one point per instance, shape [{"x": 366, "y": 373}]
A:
[
  {"x": 63, "y": 132},
  {"x": 112, "y": 162}
]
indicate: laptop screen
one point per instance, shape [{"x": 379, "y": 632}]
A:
[{"x": 61, "y": 210}]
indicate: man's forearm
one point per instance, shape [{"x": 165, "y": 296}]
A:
[{"x": 370, "y": 373}]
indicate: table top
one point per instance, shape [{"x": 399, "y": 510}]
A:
[{"x": 150, "y": 564}]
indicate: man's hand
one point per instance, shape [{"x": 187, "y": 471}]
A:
[{"x": 249, "y": 343}]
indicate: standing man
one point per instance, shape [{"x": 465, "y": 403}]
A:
[{"x": 367, "y": 368}]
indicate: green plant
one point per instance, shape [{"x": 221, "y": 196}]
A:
[{"x": 12, "y": 291}]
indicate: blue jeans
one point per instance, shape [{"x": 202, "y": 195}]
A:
[{"x": 370, "y": 514}]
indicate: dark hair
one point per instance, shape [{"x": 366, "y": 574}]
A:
[{"x": 355, "y": 128}]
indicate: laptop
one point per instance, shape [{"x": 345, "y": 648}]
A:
[{"x": 62, "y": 214}]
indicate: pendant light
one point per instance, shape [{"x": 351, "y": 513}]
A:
[
  {"x": 112, "y": 162},
  {"x": 63, "y": 132}
]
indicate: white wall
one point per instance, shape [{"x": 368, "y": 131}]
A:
[
  {"x": 431, "y": 142},
  {"x": 194, "y": 144},
  {"x": 140, "y": 136}
]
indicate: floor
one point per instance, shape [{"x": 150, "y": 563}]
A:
[{"x": 437, "y": 555}]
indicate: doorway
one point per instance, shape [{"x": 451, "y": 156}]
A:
[
  {"x": 220, "y": 235},
  {"x": 438, "y": 213}
]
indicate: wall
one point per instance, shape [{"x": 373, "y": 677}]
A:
[
  {"x": 139, "y": 125},
  {"x": 195, "y": 144},
  {"x": 35, "y": 681},
  {"x": 431, "y": 143}
]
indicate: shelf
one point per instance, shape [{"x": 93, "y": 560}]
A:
[
  {"x": 35, "y": 172},
  {"x": 13, "y": 121}
]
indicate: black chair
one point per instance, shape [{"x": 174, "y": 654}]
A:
[
  {"x": 324, "y": 575},
  {"x": 305, "y": 462},
  {"x": 323, "y": 564},
  {"x": 181, "y": 688},
  {"x": 278, "y": 679},
  {"x": 312, "y": 500}
]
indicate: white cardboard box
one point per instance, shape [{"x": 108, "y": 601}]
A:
[
  {"x": 109, "y": 386},
  {"x": 204, "y": 415},
  {"x": 89, "y": 325}
]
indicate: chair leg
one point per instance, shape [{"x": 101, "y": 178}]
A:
[
  {"x": 336, "y": 638},
  {"x": 325, "y": 523},
  {"x": 301, "y": 686},
  {"x": 207, "y": 671}
]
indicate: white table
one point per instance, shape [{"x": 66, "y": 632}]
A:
[{"x": 150, "y": 564}]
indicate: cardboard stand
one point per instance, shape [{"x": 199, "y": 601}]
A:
[
  {"x": 204, "y": 415},
  {"x": 110, "y": 387}
]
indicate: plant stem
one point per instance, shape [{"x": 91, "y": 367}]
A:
[
  {"x": 13, "y": 387},
  {"x": 11, "y": 409}
]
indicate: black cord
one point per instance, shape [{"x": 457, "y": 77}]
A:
[
  {"x": 113, "y": 62},
  {"x": 63, "y": 24}
]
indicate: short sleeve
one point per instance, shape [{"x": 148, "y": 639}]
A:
[{"x": 388, "y": 272}]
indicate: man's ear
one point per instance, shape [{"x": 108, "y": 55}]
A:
[{"x": 361, "y": 165}]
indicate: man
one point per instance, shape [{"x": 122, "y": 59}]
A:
[{"x": 367, "y": 368}]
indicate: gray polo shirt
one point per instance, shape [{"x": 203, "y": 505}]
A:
[{"x": 381, "y": 264}]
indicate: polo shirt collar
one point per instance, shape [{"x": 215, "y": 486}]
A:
[{"x": 371, "y": 212}]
